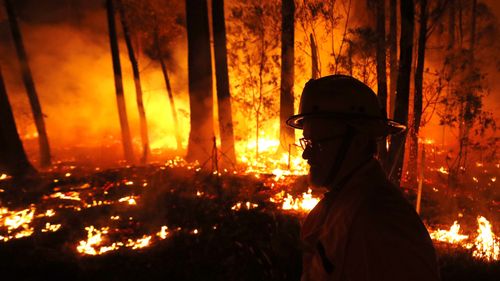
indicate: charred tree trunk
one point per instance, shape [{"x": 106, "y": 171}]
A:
[
  {"x": 13, "y": 160},
  {"x": 381, "y": 71},
  {"x": 120, "y": 97},
  {"x": 171, "y": 100},
  {"x": 315, "y": 74},
  {"x": 43, "y": 141},
  {"x": 418, "y": 94},
  {"x": 397, "y": 148},
  {"x": 138, "y": 88},
  {"x": 393, "y": 56},
  {"x": 200, "y": 81},
  {"x": 287, "y": 134},
  {"x": 222, "y": 82}
]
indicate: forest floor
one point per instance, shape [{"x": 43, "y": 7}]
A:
[{"x": 176, "y": 222}]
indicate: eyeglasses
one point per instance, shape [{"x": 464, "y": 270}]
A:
[{"x": 309, "y": 143}]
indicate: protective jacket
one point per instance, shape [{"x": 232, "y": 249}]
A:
[{"x": 366, "y": 231}]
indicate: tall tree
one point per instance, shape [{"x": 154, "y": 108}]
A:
[
  {"x": 393, "y": 55},
  {"x": 397, "y": 147},
  {"x": 13, "y": 160},
  {"x": 222, "y": 82},
  {"x": 171, "y": 100},
  {"x": 200, "y": 81},
  {"x": 137, "y": 83},
  {"x": 120, "y": 97},
  {"x": 315, "y": 74},
  {"x": 287, "y": 135},
  {"x": 43, "y": 141},
  {"x": 381, "y": 70}
]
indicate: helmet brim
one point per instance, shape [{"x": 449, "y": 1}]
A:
[{"x": 373, "y": 126}]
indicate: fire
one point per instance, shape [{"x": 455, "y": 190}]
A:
[
  {"x": 4, "y": 177},
  {"x": 71, "y": 195},
  {"x": 129, "y": 199},
  {"x": 303, "y": 204},
  {"x": 247, "y": 205},
  {"x": 51, "y": 227},
  {"x": 163, "y": 232},
  {"x": 17, "y": 223},
  {"x": 449, "y": 236},
  {"x": 485, "y": 245}
]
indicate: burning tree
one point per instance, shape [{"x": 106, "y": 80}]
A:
[
  {"x": 156, "y": 27},
  {"x": 462, "y": 107},
  {"x": 254, "y": 60}
]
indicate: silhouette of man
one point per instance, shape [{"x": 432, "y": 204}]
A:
[{"x": 363, "y": 228}]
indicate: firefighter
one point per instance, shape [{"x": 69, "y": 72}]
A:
[{"x": 363, "y": 228}]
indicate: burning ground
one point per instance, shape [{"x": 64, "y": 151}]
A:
[{"x": 180, "y": 222}]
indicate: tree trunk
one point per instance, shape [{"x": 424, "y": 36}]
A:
[
  {"x": 13, "y": 160},
  {"x": 138, "y": 88},
  {"x": 222, "y": 83},
  {"x": 393, "y": 56},
  {"x": 397, "y": 148},
  {"x": 120, "y": 97},
  {"x": 43, "y": 141},
  {"x": 381, "y": 71},
  {"x": 200, "y": 81},
  {"x": 418, "y": 94},
  {"x": 315, "y": 73},
  {"x": 287, "y": 134},
  {"x": 171, "y": 100}
]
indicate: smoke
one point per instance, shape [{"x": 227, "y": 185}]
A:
[{"x": 71, "y": 65}]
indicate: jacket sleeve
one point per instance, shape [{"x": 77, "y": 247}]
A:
[{"x": 389, "y": 242}]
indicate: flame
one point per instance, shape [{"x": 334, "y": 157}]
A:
[
  {"x": 51, "y": 227},
  {"x": 246, "y": 205},
  {"x": 443, "y": 170},
  {"x": 449, "y": 236},
  {"x": 17, "y": 223},
  {"x": 303, "y": 204},
  {"x": 129, "y": 199},
  {"x": 485, "y": 245},
  {"x": 4, "y": 177},
  {"x": 71, "y": 195},
  {"x": 163, "y": 232}
]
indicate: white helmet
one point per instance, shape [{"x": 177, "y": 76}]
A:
[{"x": 344, "y": 98}]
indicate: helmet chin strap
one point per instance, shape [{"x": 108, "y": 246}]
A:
[{"x": 340, "y": 157}]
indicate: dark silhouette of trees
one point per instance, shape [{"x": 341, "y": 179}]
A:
[
  {"x": 120, "y": 98},
  {"x": 397, "y": 146},
  {"x": 393, "y": 56},
  {"x": 13, "y": 160},
  {"x": 222, "y": 82},
  {"x": 381, "y": 68},
  {"x": 287, "y": 135},
  {"x": 200, "y": 81},
  {"x": 137, "y": 83},
  {"x": 43, "y": 141}
]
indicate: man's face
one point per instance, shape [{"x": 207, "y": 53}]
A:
[{"x": 326, "y": 137}]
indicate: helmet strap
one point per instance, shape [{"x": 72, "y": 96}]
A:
[{"x": 341, "y": 155}]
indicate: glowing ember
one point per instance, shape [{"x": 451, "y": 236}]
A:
[
  {"x": 129, "y": 199},
  {"x": 163, "y": 232},
  {"x": 139, "y": 243},
  {"x": 94, "y": 239},
  {"x": 247, "y": 205},
  {"x": 51, "y": 227},
  {"x": 71, "y": 195},
  {"x": 4, "y": 177},
  {"x": 443, "y": 170},
  {"x": 16, "y": 222}
]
